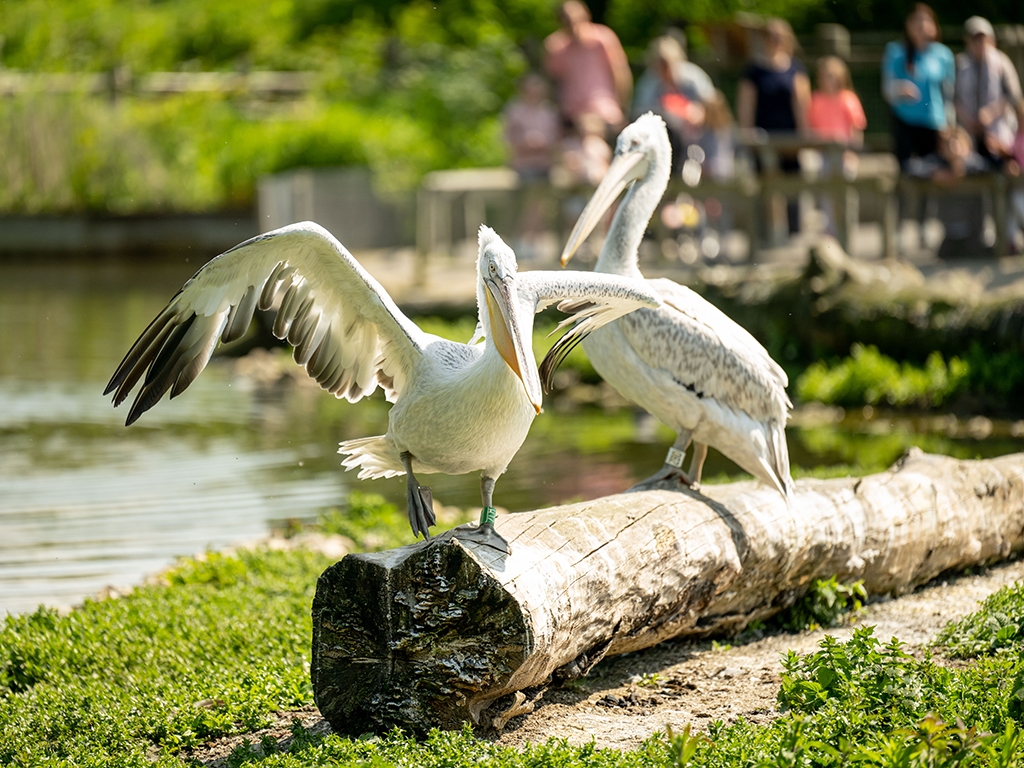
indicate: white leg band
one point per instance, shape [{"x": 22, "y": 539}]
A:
[{"x": 675, "y": 458}]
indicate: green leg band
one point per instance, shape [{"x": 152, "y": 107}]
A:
[{"x": 487, "y": 515}]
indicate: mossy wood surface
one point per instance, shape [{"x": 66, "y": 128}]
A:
[{"x": 437, "y": 635}]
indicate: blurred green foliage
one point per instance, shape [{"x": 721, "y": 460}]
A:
[
  {"x": 405, "y": 87},
  {"x": 869, "y": 377}
]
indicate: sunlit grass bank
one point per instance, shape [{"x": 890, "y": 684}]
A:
[{"x": 221, "y": 643}]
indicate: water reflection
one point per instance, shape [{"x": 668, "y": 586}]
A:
[{"x": 85, "y": 502}]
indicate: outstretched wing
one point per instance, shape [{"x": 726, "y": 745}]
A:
[
  {"x": 706, "y": 351},
  {"x": 592, "y": 300},
  {"x": 346, "y": 330}
]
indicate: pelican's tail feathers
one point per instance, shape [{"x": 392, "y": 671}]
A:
[
  {"x": 779, "y": 454},
  {"x": 374, "y": 456}
]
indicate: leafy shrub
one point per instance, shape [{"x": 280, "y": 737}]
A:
[
  {"x": 870, "y": 681},
  {"x": 826, "y": 604},
  {"x": 869, "y": 377},
  {"x": 999, "y": 374},
  {"x": 998, "y": 625}
]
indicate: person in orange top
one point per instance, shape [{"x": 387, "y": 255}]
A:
[{"x": 835, "y": 111}]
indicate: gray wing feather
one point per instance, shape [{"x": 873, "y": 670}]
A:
[
  {"x": 347, "y": 332},
  {"x": 591, "y": 299},
  {"x": 703, "y": 349}
]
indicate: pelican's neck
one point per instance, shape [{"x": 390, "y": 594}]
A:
[{"x": 620, "y": 253}]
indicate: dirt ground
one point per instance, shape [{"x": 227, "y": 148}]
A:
[{"x": 627, "y": 698}]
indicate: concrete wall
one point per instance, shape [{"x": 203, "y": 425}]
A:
[
  {"x": 144, "y": 235},
  {"x": 340, "y": 199}
]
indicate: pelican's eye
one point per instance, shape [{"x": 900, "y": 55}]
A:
[{"x": 494, "y": 269}]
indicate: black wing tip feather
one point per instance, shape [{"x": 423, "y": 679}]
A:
[
  {"x": 556, "y": 356},
  {"x": 159, "y": 377}
]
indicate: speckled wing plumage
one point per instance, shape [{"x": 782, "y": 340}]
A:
[
  {"x": 706, "y": 351},
  {"x": 347, "y": 332},
  {"x": 592, "y": 300}
]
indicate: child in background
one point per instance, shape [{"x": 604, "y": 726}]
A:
[
  {"x": 533, "y": 131},
  {"x": 718, "y": 139},
  {"x": 835, "y": 114},
  {"x": 585, "y": 155},
  {"x": 1015, "y": 168}
]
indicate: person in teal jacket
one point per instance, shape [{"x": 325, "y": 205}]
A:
[{"x": 918, "y": 75}]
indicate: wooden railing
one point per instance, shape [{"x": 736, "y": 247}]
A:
[
  {"x": 121, "y": 82},
  {"x": 876, "y": 175}
]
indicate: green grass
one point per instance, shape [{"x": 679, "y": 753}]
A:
[
  {"x": 214, "y": 651},
  {"x": 223, "y": 642}
]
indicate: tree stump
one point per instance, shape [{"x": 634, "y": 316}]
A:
[{"x": 439, "y": 634}]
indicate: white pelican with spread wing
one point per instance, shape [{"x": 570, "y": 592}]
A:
[
  {"x": 687, "y": 363},
  {"x": 457, "y": 407}
]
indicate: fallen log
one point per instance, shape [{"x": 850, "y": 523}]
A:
[{"x": 435, "y": 635}]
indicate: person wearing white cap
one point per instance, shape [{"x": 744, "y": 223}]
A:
[{"x": 987, "y": 91}]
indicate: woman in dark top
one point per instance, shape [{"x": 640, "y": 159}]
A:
[{"x": 774, "y": 94}]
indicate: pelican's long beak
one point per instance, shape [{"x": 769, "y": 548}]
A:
[
  {"x": 624, "y": 170},
  {"x": 503, "y": 313}
]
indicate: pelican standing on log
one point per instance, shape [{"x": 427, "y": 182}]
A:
[
  {"x": 457, "y": 407},
  {"x": 686, "y": 363}
]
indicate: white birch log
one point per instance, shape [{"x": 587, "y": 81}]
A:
[{"x": 435, "y": 635}]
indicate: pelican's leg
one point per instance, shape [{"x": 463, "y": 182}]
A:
[
  {"x": 700, "y": 453},
  {"x": 420, "y": 500},
  {"x": 672, "y": 470},
  {"x": 484, "y": 533},
  {"x": 696, "y": 464}
]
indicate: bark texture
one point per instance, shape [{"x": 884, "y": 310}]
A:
[{"x": 435, "y": 635}]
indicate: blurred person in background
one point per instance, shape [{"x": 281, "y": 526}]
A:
[
  {"x": 1015, "y": 167},
  {"x": 718, "y": 139},
  {"x": 533, "y": 132},
  {"x": 774, "y": 94},
  {"x": 836, "y": 114},
  {"x": 917, "y": 81},
  {"x": 532, "y": 129},
  {"x": 677, "y": 90},
  {"x": 589, "y": 66},
  {"x": 987, "y": 92},
  {"x": 584, "y": 158},
  {"x": 585, "y": 155},
  {"x": 668, "y": 70}
]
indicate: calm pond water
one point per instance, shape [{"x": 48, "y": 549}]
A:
[{"x": 86, "y": 502}]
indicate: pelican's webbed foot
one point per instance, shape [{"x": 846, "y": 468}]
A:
[
  {"x": 668, "y": 474},
  {"x": 420, "y": 501},
  {"x": 484, "y": 533},
  {"x": 671, "y": 472}
]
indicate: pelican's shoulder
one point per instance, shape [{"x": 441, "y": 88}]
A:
[{"x": 451, "y": 354}]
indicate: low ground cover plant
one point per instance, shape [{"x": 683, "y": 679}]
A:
[{"x": 222, "y": 642}]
